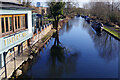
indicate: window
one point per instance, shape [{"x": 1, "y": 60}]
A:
[
  {"x": 19, "y": 21},
  {"x": 2, "y": 24},
  {"x": 23, "y": 21},
  {"x": 10, "y": 19},
  {"x": 21, "y": 18},
  {"x": 43, "y": 11},
  {"x": 11, "y": 23},
  {"x": 6, "y": 21},
  {"x": 16, "y": 22}
]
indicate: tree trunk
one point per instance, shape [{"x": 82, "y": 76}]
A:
[{"x": 57, "y": 37}]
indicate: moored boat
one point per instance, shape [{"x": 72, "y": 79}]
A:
[
  {"x": 88, "y": 19},
  {"x": 78, "y": 15},
  {"x": 97, "y": 26}
]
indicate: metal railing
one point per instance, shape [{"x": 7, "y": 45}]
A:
[{"x": 12, "y": 57}]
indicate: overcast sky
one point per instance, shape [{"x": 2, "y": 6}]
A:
[
  {"x": 81, "y": 2},
  {"x": 42, "y": 2}
]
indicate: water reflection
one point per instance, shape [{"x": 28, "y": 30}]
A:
[
  {"x": 67, "y": 27},
  {"x": 63, "y": 60},
  {"x": 106, "y": 45}
]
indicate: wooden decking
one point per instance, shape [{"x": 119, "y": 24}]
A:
[{"x": 14, "y": 64}]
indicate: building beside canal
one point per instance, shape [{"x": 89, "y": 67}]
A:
[
  {"x": 15, "y": 30},
  {"x": 41, "y": 10},
  {"x": 39, "y": 18}
]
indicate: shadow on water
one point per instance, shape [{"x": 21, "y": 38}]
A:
[{"x": 61, "y": 58}]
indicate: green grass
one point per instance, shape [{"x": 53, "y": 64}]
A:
[
  {"x": 112, "y": 32},
  {"x": 49, "y": 20}
]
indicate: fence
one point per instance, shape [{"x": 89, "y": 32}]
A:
[{"x": 14, "y": 61}]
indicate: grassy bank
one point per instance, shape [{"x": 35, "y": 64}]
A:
[
  {"x": 110, "y": 28},
  {"x": 51, "y": 19},
  {"x": 116, "y": 34}
]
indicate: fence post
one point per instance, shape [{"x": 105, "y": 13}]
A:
[
  {"x": 22, "y": 50},
  {"x": 14, "y": 59}
]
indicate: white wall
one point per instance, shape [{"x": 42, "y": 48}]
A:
[
  {"x": 30, "y": 21},
  {"x": 29, "y": 30}
]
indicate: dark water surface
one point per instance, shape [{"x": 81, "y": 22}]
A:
[{"x": 86, "y": 55}]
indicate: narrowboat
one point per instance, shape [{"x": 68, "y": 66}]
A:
[
  {"x": 78, "y": 15},
  {"x": 88, "y": 19},
  {"x": 97, "y": 26}
]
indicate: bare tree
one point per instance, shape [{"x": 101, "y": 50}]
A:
[{"x": 108, "y": 11}]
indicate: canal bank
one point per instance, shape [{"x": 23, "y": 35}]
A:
[
  {"x": 36, "y": 43},
  {"x": 17, "y": 60},
  {"x": 33, "y": 51},
  {"x": 109, "y": 27},
  {"x": 112, "y": 33}
]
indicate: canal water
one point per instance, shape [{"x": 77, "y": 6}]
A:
[{"x": 83, "y": 54}]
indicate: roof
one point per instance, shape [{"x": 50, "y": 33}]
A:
[
  {"x": 14, "y": 1},
  {"x": 39, "y": 15},
  {"x": 13, "y": 6}
]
